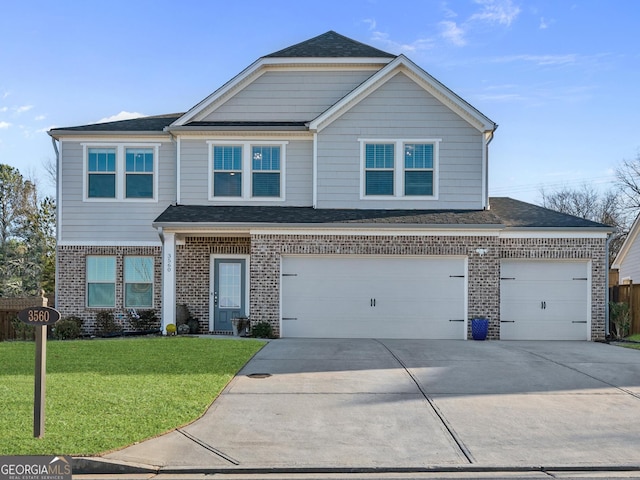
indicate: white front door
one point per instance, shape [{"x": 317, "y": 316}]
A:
[
  {"x": 544, "y": 300},
  {"x": 374, "y": 296}
]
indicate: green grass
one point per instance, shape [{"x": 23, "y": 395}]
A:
[
  {"x": 105, "y": 394},
  {"x": 634, "y": 338}
]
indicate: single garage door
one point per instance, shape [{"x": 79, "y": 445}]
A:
[
  {"x": 544, "y": 300},
  {"x": 373, "y": 297}
]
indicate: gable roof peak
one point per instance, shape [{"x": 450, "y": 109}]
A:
[{"x": 330, "y": 45}]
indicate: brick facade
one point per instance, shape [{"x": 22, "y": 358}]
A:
[
  {"x": 193, "y": 271},
  {"x": 484, "y": 253},
  {"x": 71, "y": 283}
]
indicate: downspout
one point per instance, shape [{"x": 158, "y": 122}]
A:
[
  {"x": 487, "y": 138},
  {"x": 58, "y": 207},
  {"x": 315, "y": 171},
  {"x": 607, "y": 332}
]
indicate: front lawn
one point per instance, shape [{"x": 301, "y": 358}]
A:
[{"x": 106, "y": 394}]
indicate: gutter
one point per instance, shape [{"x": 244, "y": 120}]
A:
[{"x": 173, "y": 226}]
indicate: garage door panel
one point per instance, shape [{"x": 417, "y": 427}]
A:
[
  {"x": 383, "y": 297},
  {"x": 544, "y": 300}
]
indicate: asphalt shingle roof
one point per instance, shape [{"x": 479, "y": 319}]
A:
[
  {"x": 330, "y": 44},
  {"x": 504, "y": 212},
  {"x": 142, "y": 124},
  {"x": 515, "y": 213}
]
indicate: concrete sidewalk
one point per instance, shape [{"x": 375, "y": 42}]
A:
[{"x": 384, "y": 405}]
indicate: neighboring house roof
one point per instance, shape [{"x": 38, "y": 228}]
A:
[
  {"x": 155, "y": 123},
  {"x": 627, "y": 244},
  {"x": 330, "y": 44},
  {"x": 505, "y": 212}
]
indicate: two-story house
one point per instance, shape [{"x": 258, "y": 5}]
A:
[{"x": 330, "y": 189}]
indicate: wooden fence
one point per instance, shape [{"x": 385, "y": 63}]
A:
[
  {"x": 629, "y": 294},
  {"x": 9, "y": 308}
]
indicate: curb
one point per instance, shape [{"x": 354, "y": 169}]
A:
[{"x": 100, "y": 466}]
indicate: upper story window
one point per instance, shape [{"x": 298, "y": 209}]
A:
[
  {"x": 247, "y": 170},
  {"x": 265, "y": 165},
  {"x": 227, "y": 170},
  {"x": 139, "y": 172},
  {"x": 418, "y": 169},
  {"x": 101, "y": 170},
  {"x": 399, "y": 169},
  {"x": 121, "y": 172},
  {"x": 379, "y": 168}
]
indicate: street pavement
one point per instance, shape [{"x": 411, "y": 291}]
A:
[{"x": 339, "y": 408}]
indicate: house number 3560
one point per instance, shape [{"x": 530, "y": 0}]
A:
[{"x": 169, "y": 258}]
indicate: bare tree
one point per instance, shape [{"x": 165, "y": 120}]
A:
[
  {"x": 588, "y": 203},
  {"x": 628, "y": 182}
]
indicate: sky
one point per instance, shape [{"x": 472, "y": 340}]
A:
[{"x": 560, "y": 78}]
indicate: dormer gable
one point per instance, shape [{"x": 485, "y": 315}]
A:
[{"x": 325, "y": 54}]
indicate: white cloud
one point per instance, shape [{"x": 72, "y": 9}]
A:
[
  {"x": 23, "y": 108},
  {"x": 40, "y": 117},
  {"x": 372, "y": 23},
  {"x": 417, "y": 45},
  {"x": 123, "y": 115},
  {"x": 540, "y": 60},
  {"x": 544, "y": 24},
  {"x": 503, "y": 12},
  {"x": 4, "y": 125},
  {"x": 4, "y": 109},
  {"x": 452, "y": 32}
]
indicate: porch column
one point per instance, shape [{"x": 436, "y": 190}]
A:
[{"x": 168, "y": 280}]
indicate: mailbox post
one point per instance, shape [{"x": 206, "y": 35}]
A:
[{"x": 39, "y": 317}]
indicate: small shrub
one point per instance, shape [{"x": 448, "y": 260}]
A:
[
  {"x": 106, "y": 323},
  {"x": 68, "y": 328},
  {"x": 620, "y": 317},
  {"x": 23, "y": 330},
  {"x": 144, "y": 320},
  {"x": 194, "y": 325},
  {"x": 262, "y": 330}
]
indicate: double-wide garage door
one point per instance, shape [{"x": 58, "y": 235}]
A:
[
  {"x": 374, "y": 297},
  {"x": 544, "y": 300}
]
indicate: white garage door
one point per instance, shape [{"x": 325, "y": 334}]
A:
[
  {"x": 373, "y": 297},
  {"x": 544, "y": 300}
]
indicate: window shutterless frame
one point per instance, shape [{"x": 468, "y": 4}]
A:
[
  {"x": 412, "y": 180},
  {"x": 261, "y": 178},
  {"x": 134, "y": 179}
]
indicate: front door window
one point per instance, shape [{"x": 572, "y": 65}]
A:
[{"x": 228, "y": 292}]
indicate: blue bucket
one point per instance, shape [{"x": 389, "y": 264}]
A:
[{"x": 479, "y": 328}]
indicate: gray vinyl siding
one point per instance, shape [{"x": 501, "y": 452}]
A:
[
  {"x": 106, "y": 221},
  {"x": 289, "y": 96},
  {"x": 195, "y": 175},
  {"x": 400, "y": 109},
  {"x": 630, "y": 268}
]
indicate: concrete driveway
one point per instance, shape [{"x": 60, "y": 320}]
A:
[{"x": 340, "y": 404}]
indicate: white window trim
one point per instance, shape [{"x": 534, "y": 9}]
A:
[
  {"x": 398, "y": 168},
  {"x": 120, "y": 171},
  {"x": 247, "y": 171}
]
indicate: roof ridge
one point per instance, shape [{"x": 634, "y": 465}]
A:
[{"x": 330, "y": 44}]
